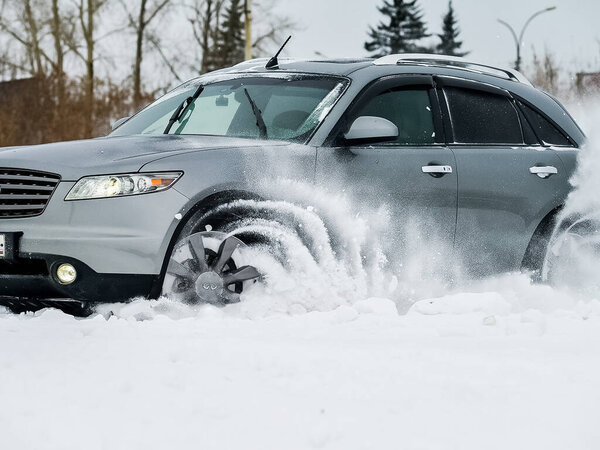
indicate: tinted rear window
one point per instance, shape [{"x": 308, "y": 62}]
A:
[
  {"x": 482, "y": 118},
  {"x": 547, "y": 132}
]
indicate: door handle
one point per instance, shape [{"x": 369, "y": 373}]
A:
[
  {"x": 437, "y": 171},
  {"x": 543, "y": 171}
]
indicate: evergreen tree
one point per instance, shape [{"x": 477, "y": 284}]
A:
[
  {"x": 402, "y": 30},
  {"x": 231, "y": 39},
  {"x": 449, "y": 43}
]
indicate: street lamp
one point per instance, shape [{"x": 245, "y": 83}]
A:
[{"x": 519, "y": 40}]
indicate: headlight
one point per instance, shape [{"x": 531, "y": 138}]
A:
[{"x": 106, "y": 186}]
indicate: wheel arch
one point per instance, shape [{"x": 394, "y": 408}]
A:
[
  {"x": 536, "y": 249},
  {"x": 199, "y": 206}
]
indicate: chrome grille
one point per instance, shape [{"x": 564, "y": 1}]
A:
[{"x": 25, "y": 193}]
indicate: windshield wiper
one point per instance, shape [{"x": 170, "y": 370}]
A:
[
  {"x": 181, "y": 109},
  {"x": 260, "y": 123}
]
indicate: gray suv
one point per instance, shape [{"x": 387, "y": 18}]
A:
[{"x": 479, "y": 158}]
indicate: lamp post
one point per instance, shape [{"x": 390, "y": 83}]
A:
[{"x": 519, "y": 39}]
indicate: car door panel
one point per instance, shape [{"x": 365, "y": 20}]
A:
[
  {"x": 394, "y": 178},
  {"x": 501, "y": 203},
  {"x": 505, "y": 186},
  {"x": 391, "y": 176}
]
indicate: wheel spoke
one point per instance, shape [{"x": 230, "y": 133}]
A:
[
  {"x": 196, "y": 247},
  {"x": 226, "y": 249},
  {"x": 179, "y": 270},
  {"x": 229, "y": 297},
  {"x": 182, "y": 287},
  {"x": 242, "y": 274}
]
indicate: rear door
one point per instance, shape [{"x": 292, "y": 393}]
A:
[
  {"x": 412, "y": 177},
  {"x": 507, "y": 181}
]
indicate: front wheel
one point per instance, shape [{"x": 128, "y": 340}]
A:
[{"x": 207, "y": 267}]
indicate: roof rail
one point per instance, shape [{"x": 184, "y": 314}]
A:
[{"x": 461, "y": 63}]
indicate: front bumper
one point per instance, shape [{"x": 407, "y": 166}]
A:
[
  {"x": 117, "y": 246},
  {"x": 35, "y": 279},
  {"x": 127, "y": 235}
]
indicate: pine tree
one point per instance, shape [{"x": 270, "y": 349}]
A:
[
  {"x": 231, "y": 40},
  {"x": 402, "y": 32},
  {"x": 449, "y": 45}
]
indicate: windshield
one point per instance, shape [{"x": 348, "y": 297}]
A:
[{"x": 289, "y": 108}]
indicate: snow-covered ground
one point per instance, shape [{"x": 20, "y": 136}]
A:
[
  {"x": 313, "y": 360},
  {"x": 493, "y": 370}
]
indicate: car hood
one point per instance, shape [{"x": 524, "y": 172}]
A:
[{"x": 74, "y": 159}]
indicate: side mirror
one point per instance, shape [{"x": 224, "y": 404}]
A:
[
  {"x": 119, "y": 122},
  {"x": 369, "y": 129}
]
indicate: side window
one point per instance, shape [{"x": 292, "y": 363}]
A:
[
  {"x": 480, "y": 117},
  {"x": 547, "y": 132},
  {"x": 408, "y": 109}
]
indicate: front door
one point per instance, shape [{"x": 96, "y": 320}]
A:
[{"x": 413, "y": 178}]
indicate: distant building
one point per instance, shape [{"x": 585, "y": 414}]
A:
[
  {"x": 16, "y": 88},
  {"x": 21, "y": 112},
  {"x": 588, "y": 82}
]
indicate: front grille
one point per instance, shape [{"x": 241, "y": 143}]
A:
[{"x": 25, "y": 193}]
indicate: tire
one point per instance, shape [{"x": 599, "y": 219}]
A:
[{"x": 573, "y": 256}]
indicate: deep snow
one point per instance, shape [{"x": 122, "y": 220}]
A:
[
  {"x": 491, "y": 370},
  {"x": 316, "y": 358}
]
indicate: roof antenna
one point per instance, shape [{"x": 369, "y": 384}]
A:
[{"x": 273, "y": 62}]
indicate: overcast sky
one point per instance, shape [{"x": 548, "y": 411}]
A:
[{"x": 571, "y": 32}]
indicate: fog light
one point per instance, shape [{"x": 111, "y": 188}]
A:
[{"x": 66, "y": 273}]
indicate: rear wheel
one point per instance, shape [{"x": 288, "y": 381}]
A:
[
  {"x": 207, "y": 267},
  {"x": 573, "y": 257}
]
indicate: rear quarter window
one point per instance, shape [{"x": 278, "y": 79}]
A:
[{"x": 546, "y": 131}]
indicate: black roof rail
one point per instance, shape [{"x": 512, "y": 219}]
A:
[{"x": 454, "y": 61}]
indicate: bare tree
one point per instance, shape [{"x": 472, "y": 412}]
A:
[
  {"x": 41, "y": 39},
  {"x": 32, "y": 28},
  {"x": 57, "y": 31},
  {"x": 205, "y": 23},
  {"x": 21, "y": 24},
  {"x": 272, "y": 29},
  {"x": 58, "y": 22},
  {"x": 546, "y": 72},
  {"x": 152, "y": 39},
  {"x": 206, "y": 18},
  {"x": 29, "y": 25},
  {"x": 146, "y": 12},
  {"x": 85, "y": 21}
]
